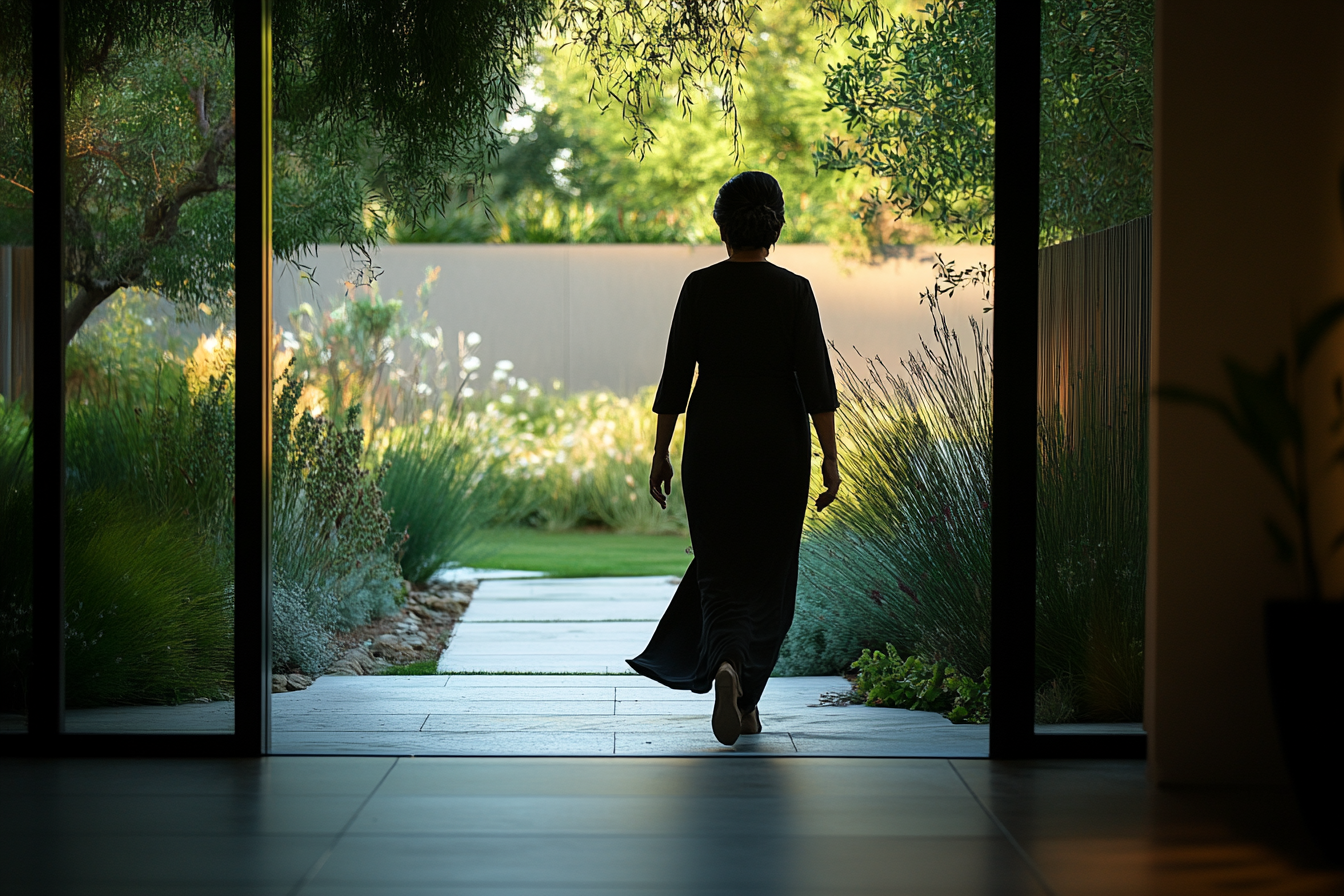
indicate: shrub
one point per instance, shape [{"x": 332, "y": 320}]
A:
[
  {"x": 331, "y": 561},
  {"x": 568, "y": 461},
  {"x": 367, "y": 351},
  {"x": 911, "y": 683},
  {"x": 149, "y": 614}
]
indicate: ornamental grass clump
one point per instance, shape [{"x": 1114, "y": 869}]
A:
[
  {"x": 437, "y": 488},
  {"x": 149, "y": 614},
  {"x": 16, "y": 554},
  {"x": 904, "y": 556},
  {"x": 1091, "y": 549}
]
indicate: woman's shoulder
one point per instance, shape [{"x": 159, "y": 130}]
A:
[{"x": 765, "y": 269}]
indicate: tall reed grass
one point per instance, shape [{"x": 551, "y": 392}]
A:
[
  {"x": 1091, "y": 543},
  {"x": 438, "y": 488},
  {"x": 904, "y": 556}
]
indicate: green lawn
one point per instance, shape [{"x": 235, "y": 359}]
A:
[{"x": 575, "y": 554}]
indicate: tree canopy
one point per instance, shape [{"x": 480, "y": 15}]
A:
[
  {"x": 384, "y": 109},
  {"x": 918, "y": 92},
  {"x": 574, "y": 169},
  {"x": 390, "y": 113}
]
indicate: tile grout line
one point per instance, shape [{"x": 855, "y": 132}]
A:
[
  {"x": 793, "y": 742},
  {"x": 1003, "y": 829},
  {"x": 322, "y": 859},
  {"x": 613, "y": 701},
  {"x": 423, "y": 724},
  {"x": 613, "y": 743}
]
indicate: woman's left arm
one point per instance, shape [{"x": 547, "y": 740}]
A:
[{"x": 824, "y": 422}]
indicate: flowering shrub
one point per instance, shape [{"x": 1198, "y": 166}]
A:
[{"x": 568, "y": 461}]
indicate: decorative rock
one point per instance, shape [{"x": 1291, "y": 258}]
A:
[
  {"x": 298, "y": 681},
  {"x": 414, "y": 633}
]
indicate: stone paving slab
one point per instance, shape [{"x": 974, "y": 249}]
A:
[
  {"x": 492, "y": 715},
  {"x": 585, "y": 629},
  {"x": 545, "y": 646}
]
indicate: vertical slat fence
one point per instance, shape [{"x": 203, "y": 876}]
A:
[{"x": 1095, "y": 300}]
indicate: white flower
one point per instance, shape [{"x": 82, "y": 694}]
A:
[
  {"x": 500, "y": 376},
  {"x": 506, "y": 398},
  {"x": 503, "y": 365},
  {"x": 473, "y": 340},
  {"x": 423, "y": 388},
  {"x": 470, "y": 363},
  {"x": 522, "y": 383},
  {"x": 467, "y": 392}
]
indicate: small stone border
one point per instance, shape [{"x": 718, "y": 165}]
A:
[{"x": 417, "y": 632}]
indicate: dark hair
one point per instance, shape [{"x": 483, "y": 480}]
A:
[{"x": 750, "y": 210}]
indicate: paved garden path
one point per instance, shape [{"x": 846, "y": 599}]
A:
[{"x": 537, "y": 667}]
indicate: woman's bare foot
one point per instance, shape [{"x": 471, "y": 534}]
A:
[{"x": 727, "y": 719}]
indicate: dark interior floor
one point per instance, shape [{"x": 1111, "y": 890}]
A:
[{"x": 557, "y": 826}]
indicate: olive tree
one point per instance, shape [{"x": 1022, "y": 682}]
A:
[
  {"x": 383, "y": 109},
  {"x": 917, "y": 91}
]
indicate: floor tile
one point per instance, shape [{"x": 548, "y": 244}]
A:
[
  {"x": 687, "y": 864},
  {"x": 655, "y": 743},
  {"x": 243, "y": 813},
  {"x": 687, "y": 815},
  {"x": 45, "y": 863},
  {"x": 309, "y": 775}
]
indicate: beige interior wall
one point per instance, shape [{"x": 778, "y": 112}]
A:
[
  {"x": 597, "y": 316},
  {"x": 1247, "y": 235}
]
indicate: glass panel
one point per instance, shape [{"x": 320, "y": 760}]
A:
[
  {"x": 149, "y": 387},
  {"x": 516, "y": 396},
  {"x": 16, "y": 481},
  {"x": 1095, "y": 291},
  {"x": 16, "y": 375}
]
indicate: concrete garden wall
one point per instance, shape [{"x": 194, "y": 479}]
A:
[{"x": 597, "y": 316}]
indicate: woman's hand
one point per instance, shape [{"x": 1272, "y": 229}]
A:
[
  {"x": 830, "y": 478},
  {"x": 660, "y": 478}
]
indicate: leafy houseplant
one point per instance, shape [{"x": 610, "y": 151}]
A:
[{"x": 1302, "y": 637}]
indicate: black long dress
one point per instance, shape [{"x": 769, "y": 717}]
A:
[{"x": 754, "y": 330}]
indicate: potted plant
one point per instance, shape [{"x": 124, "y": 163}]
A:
[{"x": 1303, "y": 637}]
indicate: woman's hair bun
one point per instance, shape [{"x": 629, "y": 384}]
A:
[{"x": 750, "y": 210}]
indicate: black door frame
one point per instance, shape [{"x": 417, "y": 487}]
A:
[{"x": 1013, "y": 613}]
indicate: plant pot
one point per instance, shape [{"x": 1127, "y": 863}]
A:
[{"x": 1303, "y": 640}]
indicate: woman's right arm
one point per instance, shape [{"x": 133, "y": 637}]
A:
[{"x": 660, "y": 476}]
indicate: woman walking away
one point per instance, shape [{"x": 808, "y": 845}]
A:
[{"x": 754, "y": 331}]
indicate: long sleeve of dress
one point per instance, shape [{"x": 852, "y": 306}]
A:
[
  {"x": 674, "y": 389},
  {"x": 811, "y": 359}
]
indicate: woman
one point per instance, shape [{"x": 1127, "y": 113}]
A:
[{"x": 754, "y": 331}]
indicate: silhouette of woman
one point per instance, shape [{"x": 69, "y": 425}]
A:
[{"x": 754, "y": 331}]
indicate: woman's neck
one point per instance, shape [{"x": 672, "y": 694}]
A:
[{"x": 747, "y": 254}]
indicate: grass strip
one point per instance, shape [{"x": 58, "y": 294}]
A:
[{"x": 579, "y": 554}]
